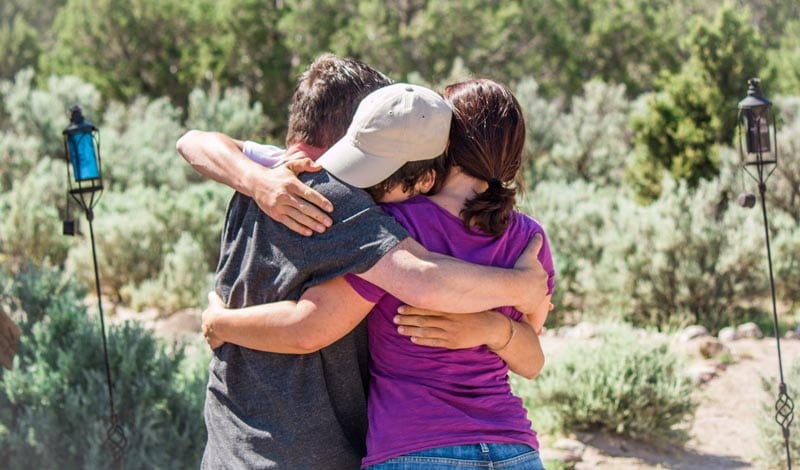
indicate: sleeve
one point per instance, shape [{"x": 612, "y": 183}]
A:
[
  {"x": 546, "y": 258},
  {"x": 265, "y": 155},
  {"x": 369, "y": 291},
  {"x": 361, "y": 234}
]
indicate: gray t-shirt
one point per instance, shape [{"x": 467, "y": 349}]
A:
[{"x": 267, "y": 410}]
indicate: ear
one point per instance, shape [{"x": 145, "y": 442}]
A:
[{"x": 426, "y": 182}]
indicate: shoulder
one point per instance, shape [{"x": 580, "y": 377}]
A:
[
  {"x": 523, "y": 223},
  {"x": 419, "y": 207}
]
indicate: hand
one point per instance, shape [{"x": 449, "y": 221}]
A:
[
  {"x": 451, "y": 330},
  {"x": 287, "y": 200},
  {"x": 528, "y": 263},
  {"x": 537, "y": 319},
  {"x": 215, "y": 307}
]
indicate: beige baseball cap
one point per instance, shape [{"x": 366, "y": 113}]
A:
[{"x": 393, "y": 125}]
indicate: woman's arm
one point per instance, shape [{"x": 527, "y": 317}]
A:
[
  {"x": 323, "y": 314},
  {"x": 522, "y": 351}
]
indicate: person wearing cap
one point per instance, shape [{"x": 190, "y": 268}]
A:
[{"x": 308, "y": 411}]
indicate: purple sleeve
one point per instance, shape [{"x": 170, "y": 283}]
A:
[
  {"x": 546, "y": 258},
  {"x": 265, "y": 155},
  {"x": 369, "y": 291}
]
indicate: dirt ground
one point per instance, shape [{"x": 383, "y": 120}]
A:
[{"x": 724, "y": 432}]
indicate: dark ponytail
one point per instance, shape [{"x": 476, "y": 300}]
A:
[
  {"x": 490, "y": 211},
  {"x": 487, "y": 136}
]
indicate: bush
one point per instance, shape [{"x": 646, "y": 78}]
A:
[
  {"x": 623, "y": 383},
  {"x": 770, "y": 435},
  {"x": 129, "y": 241},
  {"x": 576, "y": 217},
  {"x": 229, "y": 112},
  {"x": 682, "y": 261},
  {"x": 54, "y": 404},
  {"x": 182, "y": 283},
  {"x": 138, "y": 142},
  {"x": 31, "y": 227}
]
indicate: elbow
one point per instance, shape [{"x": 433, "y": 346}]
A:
[
  {"x": 184, "y": 143},
  {"x": 307, "y": 344},
  {"x": 532, "y": 370}
]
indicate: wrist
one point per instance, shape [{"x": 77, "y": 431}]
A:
[{"x": 510, "y": 331}]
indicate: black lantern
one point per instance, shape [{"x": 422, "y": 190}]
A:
[
  {"x": 84, "y": 180},
  {"x": 759, "y": 153},
  {"x": 757, "y": 129}
]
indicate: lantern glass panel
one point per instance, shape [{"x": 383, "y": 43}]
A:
[
  {"x": 83, "y": 155},
  {"x": 757, "y": 121}
]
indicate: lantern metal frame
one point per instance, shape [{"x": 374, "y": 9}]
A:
[
  {"x": 85, "y": 187},
  {"x": 82, "y": 190},
  {"x": 755, "y": 121}
]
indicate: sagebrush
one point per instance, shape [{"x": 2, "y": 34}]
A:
[
  {"x": 623, "y": 382},
  {"x": 54, "y": 407}
]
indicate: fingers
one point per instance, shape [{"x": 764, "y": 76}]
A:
[
  {"x": 425, "y": 336},
  {"x": 430, "y": 342},
  {"x": 317, "y": 201},
  {"x": 411, "y": 310},
  {"x": 301, "y": 165},
  {"x": 300, "y": 216},
  {"x": 303, "y": 191},
  {"x": 308, "y": 215},
  {"x": 295, "y": 226}
]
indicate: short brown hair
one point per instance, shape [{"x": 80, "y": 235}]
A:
[
  {"x": 326, "y": 98},
  {"x": 487, "y": 137},
  {"x": 409, "y": 175}
]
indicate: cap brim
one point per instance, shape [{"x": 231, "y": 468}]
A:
[{"x": 355, "y": 167}]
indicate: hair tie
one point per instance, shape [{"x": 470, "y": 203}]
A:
[{"x": 495, "y": 183}]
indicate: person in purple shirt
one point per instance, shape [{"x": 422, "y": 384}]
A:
[{"x": 434, "y": 407}]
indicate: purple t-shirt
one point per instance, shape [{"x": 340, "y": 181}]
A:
[{"x": 422, "y": 397}]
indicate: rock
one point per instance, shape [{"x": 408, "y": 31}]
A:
[
  {"x": 702, "y": 372},
  {"x": 705, "y": 347},
  {"x": 181, "y": 322},
  {"x": 691, "y": 332},
  {"x": 728, "y": 334},
  {"x": 567, "y": 451},
  {"x": 792, "y": 334},
  {"x": 749, "y": 330},
  {"x": 711, "y": 347},
  {"x": 570, "y": 445}
]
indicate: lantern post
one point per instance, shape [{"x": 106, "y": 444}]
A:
[
  {"x": 758, "y": 148},
  {"x": 85, "y": 185}
]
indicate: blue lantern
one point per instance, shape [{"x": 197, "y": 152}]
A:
[{"x": 82, "y": 148}]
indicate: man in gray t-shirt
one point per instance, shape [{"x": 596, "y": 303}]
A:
[{"x": 303, "y": 411}]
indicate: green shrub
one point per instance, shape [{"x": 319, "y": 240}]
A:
[
  {"x": 138, "y": 143},
  {"x": 770, "y": 433},
  {"x": 182, "y": 283},
  {"x": 54, "y": 405},
  {"x": 622, "y": 382},
  {"x": 229, "y": 112},
  {"x": 30, "y": 228}
]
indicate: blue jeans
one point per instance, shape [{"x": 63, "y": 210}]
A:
[{"x": 466, "y": 457}]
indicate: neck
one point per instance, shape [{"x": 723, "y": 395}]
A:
[
  {"x": 300, "y": 149},
  {"x": 456, "y": 190}
]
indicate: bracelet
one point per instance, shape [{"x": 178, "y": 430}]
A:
[{"x": 510, "y": 336}]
